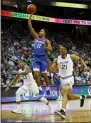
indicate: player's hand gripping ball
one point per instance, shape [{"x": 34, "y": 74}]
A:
[{"x": 31, "y": 8}]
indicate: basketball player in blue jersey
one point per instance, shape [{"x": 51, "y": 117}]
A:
[{"x": 41, "y": 46}]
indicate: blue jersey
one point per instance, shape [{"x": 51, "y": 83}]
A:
[{"x": 39, "y": 49}]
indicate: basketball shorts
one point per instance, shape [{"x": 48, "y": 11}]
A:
[
  {"x": 57, "y": 83},
  {"x": 69, "y": 81},
  {"x": 28, "y": 88},
  {"x": 40, "y": 66}
]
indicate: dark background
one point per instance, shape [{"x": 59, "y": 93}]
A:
[{"x": 44, "y": 8}]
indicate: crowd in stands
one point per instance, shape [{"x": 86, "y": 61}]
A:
[{"x": 17, "y": 43}]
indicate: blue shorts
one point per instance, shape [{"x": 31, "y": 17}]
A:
[
  {"x": 57, "y": 83},
  {"x": 40, "y": 66}
]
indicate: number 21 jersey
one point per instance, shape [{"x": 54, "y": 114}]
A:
[{"x": 65, "y": 66}]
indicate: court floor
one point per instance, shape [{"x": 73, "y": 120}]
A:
[{"x": 39, "y": 112}]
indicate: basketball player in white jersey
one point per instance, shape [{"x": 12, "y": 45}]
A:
[
  {"x": 65, "y": 64},
  {"x": 25, "y": 73}
]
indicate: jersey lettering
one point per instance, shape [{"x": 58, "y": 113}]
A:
[
  {"x": 39, "y": 45},
  {"x": 65, "y": 66},
  {"x": 28, "y": 78}
]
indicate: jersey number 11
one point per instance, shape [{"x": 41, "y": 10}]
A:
[{"x": 39, "y": 45}]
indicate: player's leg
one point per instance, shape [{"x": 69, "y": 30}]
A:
[
  {"x": 35, "y": 90},
  {"x": 44, "y": 68},
  {"x": 47, "y": 83},
  {"x": 72, "y": 96},
  {"x": 67, "y": 95},
  {"x": 65, "y": 87},
  {"x": 65, "y": 91},
  {"x": 36, "y": 70},
  {"x": 22, "y": 90},
  {"x": 58, "y": 85},
  {"x": 75, "y": 97}
]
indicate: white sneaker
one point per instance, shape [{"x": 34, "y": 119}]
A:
[
  {"x": 18, "y": 111},
  {"x": 61, "y": 113},
  {"x": 51, "y": 112}
]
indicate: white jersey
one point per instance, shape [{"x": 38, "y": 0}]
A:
[
  {"x": 65, "y": 66},
  {"x": 28, "y": 79}
]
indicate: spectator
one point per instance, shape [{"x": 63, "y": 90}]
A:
[{"x": 18, "y": 44}]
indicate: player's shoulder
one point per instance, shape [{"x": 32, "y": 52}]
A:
[
  {"x": 47, "y": 40},
  {"x": 68, "y": 55},
  {"x": 72, "y": 55},
  {"x": 59, "y": 57},
  {"x": 37, "y": 39},
  {"x": 20, "y": 70}
]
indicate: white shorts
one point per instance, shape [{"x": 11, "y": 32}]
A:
[
  {"x": 69, "y": 81},
  {"x": 28, "y": 88}
]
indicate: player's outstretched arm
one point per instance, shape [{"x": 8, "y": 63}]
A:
[
  {"x": 48, "y": 46},
  {"x": 77, "y": 58},
  {"x": 14, "y": 80},
  {"x": 12, "y": 83},
  {"x": 33, "y": 33},
  {"x": 53, "y": 67}
]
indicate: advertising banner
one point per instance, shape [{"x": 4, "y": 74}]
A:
[
  {"x": 45, "y": 19},
  {"x": 78, "y": 90},
  {"x": 28, "y": 95}
]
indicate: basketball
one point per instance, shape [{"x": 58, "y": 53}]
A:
[{"x": 31, "y": 8}]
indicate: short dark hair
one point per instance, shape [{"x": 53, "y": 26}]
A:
[
  {"x": 66, "y": 47},
  {"x": 22, "y": 60},
  {"x": 46, "y": 31}
]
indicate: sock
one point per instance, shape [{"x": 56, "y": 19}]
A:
[
  {"x": 80, "y": 97},
  {"x": 49, "y": 105},
  {"x": 18, "y": 106},
  {"x": 44, "y": 100},
  {"x": 40, "y": 88},
  {"x": 48, "y": 88}
]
